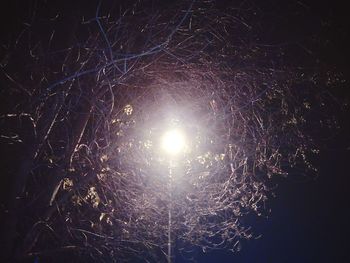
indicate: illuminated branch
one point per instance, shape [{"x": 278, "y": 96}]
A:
[{"x": 95, "y": 181}]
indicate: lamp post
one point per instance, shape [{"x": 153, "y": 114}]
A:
[{"x": 173, "y": 143}]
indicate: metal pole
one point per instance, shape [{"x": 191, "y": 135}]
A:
[{"x": 169, "y": 216}]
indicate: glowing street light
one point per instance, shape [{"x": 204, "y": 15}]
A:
[{"x": 173, "y": 142}]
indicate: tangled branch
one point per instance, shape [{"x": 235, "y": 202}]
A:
[{"x": 97, "y": 185}]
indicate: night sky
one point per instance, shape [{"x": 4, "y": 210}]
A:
[{"x": 309, "y": 218}]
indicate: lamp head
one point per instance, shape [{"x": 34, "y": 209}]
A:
[{"x": 173, "y": 142}]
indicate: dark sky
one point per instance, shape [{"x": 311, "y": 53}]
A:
[
  {"x": 309, "y": 216},
  {"x": 309, "y": 221}
]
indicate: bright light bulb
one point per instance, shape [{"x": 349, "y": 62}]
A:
[{"x": 173, "y": 142}]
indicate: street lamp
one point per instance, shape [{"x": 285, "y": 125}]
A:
[{"x": 173, "y": 142}]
